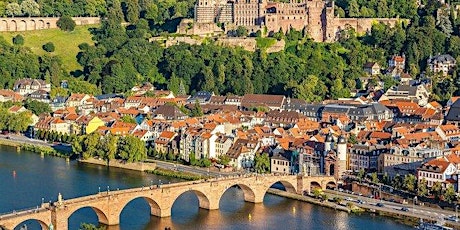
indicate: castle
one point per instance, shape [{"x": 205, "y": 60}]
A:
[{"x": 316, "y": 16}]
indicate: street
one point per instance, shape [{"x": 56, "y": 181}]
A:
[
  {"x": 413, "y": 210},
  {"x": 190, "y": 169}
]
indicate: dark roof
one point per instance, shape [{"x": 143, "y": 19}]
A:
[
  {"x": 441, "y": 58},
  {"x": 454, "y": 112},
  {"x": 250, "y": 100},
  {"x": 108, "y": 96},
  {"x": 169, "y": 112}
]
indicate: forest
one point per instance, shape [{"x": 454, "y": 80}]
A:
[{"x": 123, "y": 57}]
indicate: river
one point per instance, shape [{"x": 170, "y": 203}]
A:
[{"x": 26, "y": 178}]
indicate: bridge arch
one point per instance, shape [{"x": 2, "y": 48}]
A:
[
  {"x": 287, "y": 185},
  {"x": 328, "y": 184},
  {"x": 249, "y": 193},
  {"x": 42, "y": 224},
  {"x": 102, "y": 217},
  {"x": 155, "y": 209},
  {"x": 204, "y": 200}
]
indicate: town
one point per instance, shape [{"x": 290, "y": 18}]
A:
[{"x": 397, "y": 133}]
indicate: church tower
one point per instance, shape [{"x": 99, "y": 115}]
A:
[{"x": 341, "y": 157}]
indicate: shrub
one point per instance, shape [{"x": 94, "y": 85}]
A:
[
  {"x": 66, "y": 23},
  {"x": 48, "y": 47},
  {"x": 18, "y": 40}
]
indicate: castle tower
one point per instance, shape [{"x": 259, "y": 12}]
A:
[
  {"x": 205, "y": 11},
  {"x": 341, "y": 157},
  {"x": 315, "y": 19}
]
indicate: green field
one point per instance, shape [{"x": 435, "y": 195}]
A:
[{"x": 66, "y": 43}]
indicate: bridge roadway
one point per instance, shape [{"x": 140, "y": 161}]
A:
[{"x": 108, "y": 205}]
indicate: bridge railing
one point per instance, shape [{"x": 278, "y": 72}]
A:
[{"x": 21, "y": 212}]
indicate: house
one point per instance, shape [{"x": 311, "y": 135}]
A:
[
  {"x": 439, "y": 169},
  {"x": 40, "y": 95},
  {"x": 415, "y": 93},
  {"x": 202, "y": 97},
  {"x": 9, "y": 95},
  {"x": 453, "y": 116},
  {"x": 163, "y": 142},
  {"x": 145, "y": 135},
  {"x": 142, "y": 89},
  {"x": 27, "y": 86},
  {"x": 273, "y": 102},
  {"x": 280, "y": 164},
  {"x": 372, "y": 68},
  {"x": 448, "y": 132},
  {"x": 242, "y": 153},
  {"x": 77, "y": 100},
  {"x": 399, "y": 62},
  {"x": 444, "y": 64},
  {"x": 93, "y": 124},
  {"x": 169, "y": 112}
]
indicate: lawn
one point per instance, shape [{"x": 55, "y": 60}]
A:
[{"x": 66, "y": 43}]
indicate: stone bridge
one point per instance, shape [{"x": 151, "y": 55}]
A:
[
  {"x": 109, "y": 205},
  {"x": 40, "y": 23}
]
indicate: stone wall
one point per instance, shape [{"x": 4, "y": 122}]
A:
[
  {"x": 40, "y": 23},
  {"x": 138, "y": 166}
]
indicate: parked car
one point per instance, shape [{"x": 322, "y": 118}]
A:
[
  {"x": 360, "y": 202},
  {"x": 404, "y": 209},
  {"x": 452, "y": 218},
  {"x": 379, "y": 205}
]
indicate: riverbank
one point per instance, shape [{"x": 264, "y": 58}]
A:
[
  {"x": 176, "y": 174},
  {"x": 137, "y": 166},
  {"x": 42, "y": 149},
  {"x": 308, "y": 199}
]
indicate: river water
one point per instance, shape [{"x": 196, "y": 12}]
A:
[{"x": 26, "y": 178}]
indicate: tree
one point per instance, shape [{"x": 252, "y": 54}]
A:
[
  {"x": 353, "y": 9},
  {"x": 19, "y": 122},
  {"x": 109, "y": 147},
  {"x": 89, "y": 144},
  {"x": 85, "y": 226},
  {"x": 66, "y": 23},
  {"x": 397, "y": 182},
  {"x": 13, "y": 9},
  {"x": 410, "y": 182},
  {"x": 30, "y": 8},
  {"x": 386, "y": 179},
  {"x": 18, "y": 40},
  {"x": 436, "y": 190},
  {"x": 132, "y": 149},
  {"x": 196, "y": 111},
  {"x": 444, "y": 23},
  {"x": 132, "y": 11},
  {"x": 375, "y": 178},
  {"x": 48, "y": 47},
  {"x": 450, "y": 194},
  {"x": 241, "y": 31},
  {"x": 128, "y": 119},
  {"x": 262, "y": 163},
  {"x": 224, "y": 159},
  {"x": 317, "y": 192},
  {"x": 361, "y": 174},
  {"x": 37, "y": 107}
]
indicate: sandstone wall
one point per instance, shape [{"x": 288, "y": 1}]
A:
[{"x": 40, "y": 23}]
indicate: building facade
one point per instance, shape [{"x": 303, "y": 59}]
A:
[{"x": 316, "y": 16}]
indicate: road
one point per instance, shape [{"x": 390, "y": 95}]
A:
[
  {"x": 190, "y": 169},
  {"x": 414, "y": 210}
]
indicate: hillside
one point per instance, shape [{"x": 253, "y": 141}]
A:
[{"x": 66, "y": 43}]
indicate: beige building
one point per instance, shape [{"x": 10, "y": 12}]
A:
[{"x": 280, "y": 164}]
